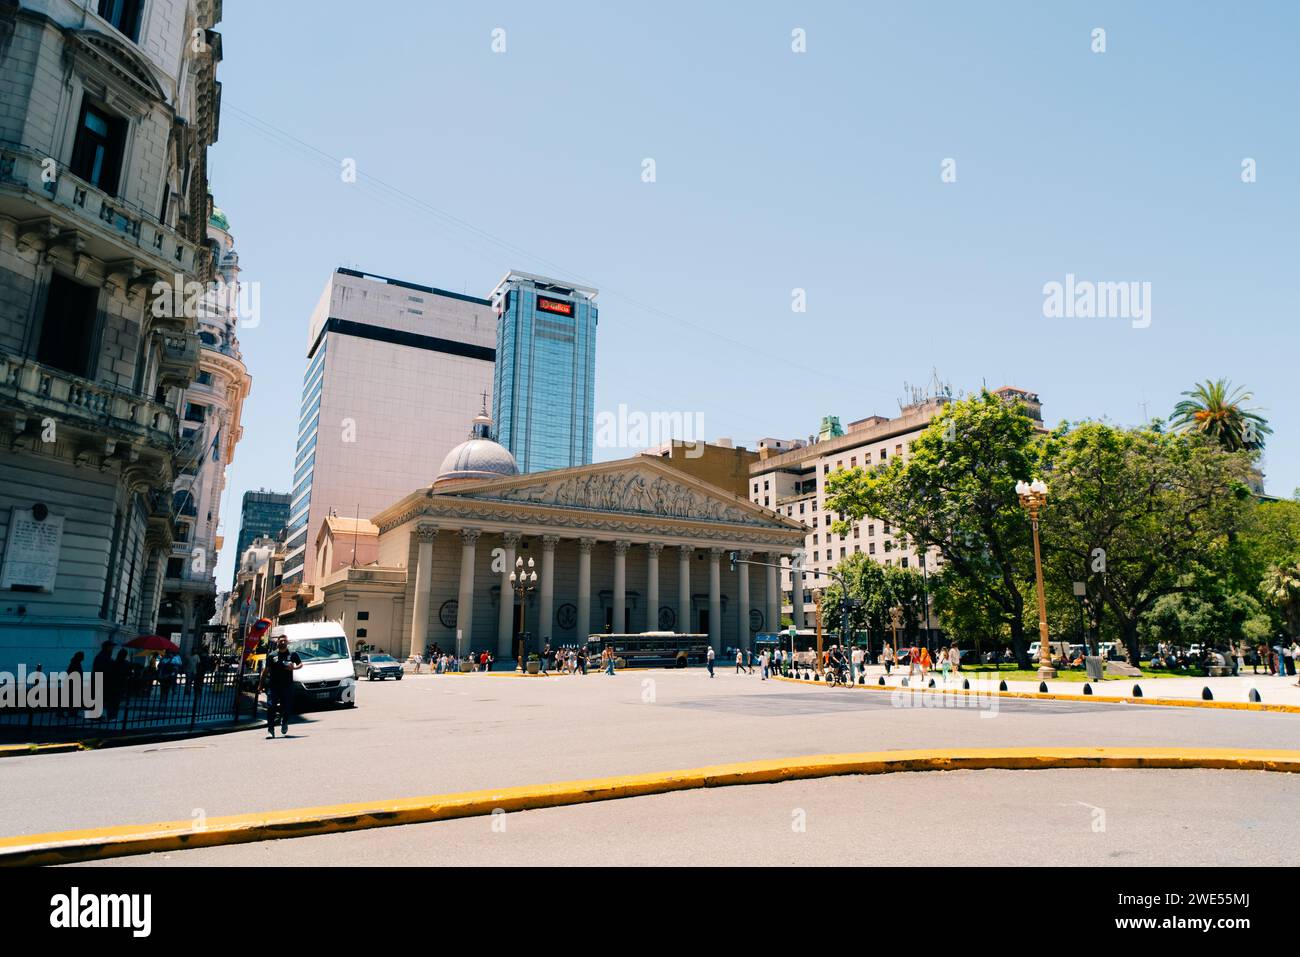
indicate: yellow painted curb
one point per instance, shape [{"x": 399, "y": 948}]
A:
[
  {"x": 124, "y": 840},
  {"x": 22, "y": 750},
  {"x": 1054, "y": 696}
]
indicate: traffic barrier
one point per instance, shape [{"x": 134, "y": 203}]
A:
[{"x": 1137, "y": 691}]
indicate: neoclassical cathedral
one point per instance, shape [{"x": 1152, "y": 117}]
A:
[{"x": 626, "y": 546}]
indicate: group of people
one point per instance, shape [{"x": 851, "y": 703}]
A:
[
  {"x": 443, "y": 662},
  {"x": 558, "y": 660},
  {"x": 770, "y": 661},
  {"x": 1281, "y": 659}
]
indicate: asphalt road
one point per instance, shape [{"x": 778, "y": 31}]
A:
[
  {"x": 982, "y": 818},
  {"x": 429, "y": 735}
]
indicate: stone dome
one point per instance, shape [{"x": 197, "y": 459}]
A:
[{"x": 479, "y": 457}]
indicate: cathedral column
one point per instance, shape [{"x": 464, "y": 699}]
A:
[
  {"x": 546, "y": 613},
  {"x": 684, "y": 623},
  {"x": 742, "y": 614},
  {"x": 715, "y": 599},
  {"x": 465, "y": 599},
  {"x": 773, "y": 592},
  {"x": 619, "y": 616},
  {"x": 506, "y": 606},
  {"x": 585, "y": 546},
  {"x": 652, "y": 586},
  {"x": 425, "y": 533}
]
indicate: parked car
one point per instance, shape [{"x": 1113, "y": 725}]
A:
[{"x": 377, "y": 667}]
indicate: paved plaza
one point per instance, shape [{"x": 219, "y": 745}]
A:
[{"x": 439, "y": 734}]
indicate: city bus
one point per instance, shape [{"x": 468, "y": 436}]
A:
[{"x": 651, "y": 649}]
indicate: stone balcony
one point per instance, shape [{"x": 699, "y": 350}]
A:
[
  {"x": 112, "y": 422},
  {"x": 66, "y": 210},
  {"x": 179, "y": 360}
]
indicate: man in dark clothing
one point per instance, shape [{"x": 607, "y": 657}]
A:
[{"x": 277, "y": 679}]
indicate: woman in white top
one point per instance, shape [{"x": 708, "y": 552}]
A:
[{"x": 943, "y": 663}]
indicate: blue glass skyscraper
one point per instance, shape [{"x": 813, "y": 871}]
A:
[{"x": 543, "y": 389}]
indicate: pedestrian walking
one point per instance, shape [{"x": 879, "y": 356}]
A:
[
  {"x": 277, "y": 679},
  {"x": 740, "y": 661},
  {"x": 75, "y": 668},
  {"x": 887, "y": 656},
  {"x": 708, "y": 660}
]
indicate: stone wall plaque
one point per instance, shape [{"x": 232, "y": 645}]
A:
[{"x": 31, "y": 561}]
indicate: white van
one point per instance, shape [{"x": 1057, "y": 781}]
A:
[{"x": 326, "y": 674}]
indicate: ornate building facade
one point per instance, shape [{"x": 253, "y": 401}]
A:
[
  {"x": 211, "y": 427},
  {"x": 626, "y": 546},
  {"x": 106, "y": 114}
]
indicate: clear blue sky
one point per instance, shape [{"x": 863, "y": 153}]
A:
[{"x": 778, "y": 170}]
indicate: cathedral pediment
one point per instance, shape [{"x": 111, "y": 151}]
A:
[{"x": 635, "y": 487}]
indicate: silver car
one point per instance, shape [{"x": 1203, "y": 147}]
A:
[{"x": 377, "y": 667}]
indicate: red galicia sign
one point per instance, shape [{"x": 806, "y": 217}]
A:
[{"x": 557, "y": 306}]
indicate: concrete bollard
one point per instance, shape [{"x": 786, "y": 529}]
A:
[
  {"x": 905, "y": 683},
  {"x": 1002, "y": 686},
  {"x": 862, "y": 679},
  {"x": 965, "y": 684},
  {"x": 1042, "y": 687},
  {"x": 1254, "y": 696},
  {"x": 931, "y": 682},
  {"x": 1087, "y": 688},
  {"x": 1137, "y": 691},
  {"x": 881, "y": 681},
  {"x": 1206, "y": 694}
]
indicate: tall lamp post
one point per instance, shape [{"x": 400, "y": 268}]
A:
[
  {"x": 523, "y": 581},
  {"x": 1033, "y": 495}
]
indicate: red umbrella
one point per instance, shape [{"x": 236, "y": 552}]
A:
[{"x": 153, "y": 643}]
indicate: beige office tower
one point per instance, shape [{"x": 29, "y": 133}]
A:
[{"x": 394, "y": 372}]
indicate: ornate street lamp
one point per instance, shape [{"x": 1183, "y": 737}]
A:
[
  {"x": 1033, "y": 495},
  {"x": 523, "y": 581}
]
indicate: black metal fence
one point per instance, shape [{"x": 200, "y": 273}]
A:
[{"x": 132, "y": 704}]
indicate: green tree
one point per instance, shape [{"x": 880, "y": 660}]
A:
[
  {"x": 877, "y": 590},
  {"x": 1281, "y": 590},
  {"x": 1140, "y": 514},
  {"x": 957, "y": 493},
  {"x": 1218, "y": 411}
]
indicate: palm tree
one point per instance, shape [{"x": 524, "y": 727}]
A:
[
  {"x": 1216, "y": 410},
  {"x": 1281, "y": 587}
]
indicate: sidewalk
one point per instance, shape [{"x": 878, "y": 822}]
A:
[{"x": 1272, "y": 689}]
